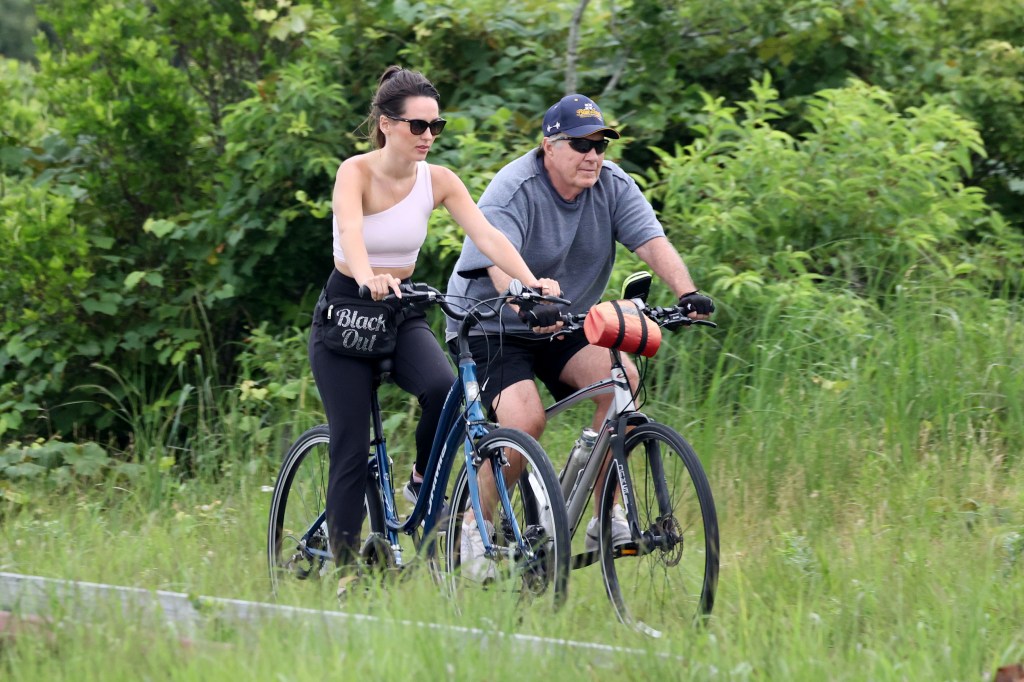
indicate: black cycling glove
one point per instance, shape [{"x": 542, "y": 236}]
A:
[
  {"x": 540, "y": 316},
  {"x": 696, "y": 302}
]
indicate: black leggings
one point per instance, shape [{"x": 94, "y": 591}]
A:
[{"x": 420, "y": 368}]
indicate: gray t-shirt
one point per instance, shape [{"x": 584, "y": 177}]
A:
[{"x": 572, "y": 242}]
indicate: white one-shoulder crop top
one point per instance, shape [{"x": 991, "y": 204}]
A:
[{"x": 394, "y": 236}]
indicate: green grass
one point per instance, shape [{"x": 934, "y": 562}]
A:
[{"x": 872, "y": 524}]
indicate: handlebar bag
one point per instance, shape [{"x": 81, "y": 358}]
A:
[
  {"x": 358, "y": 327},
  {"x": 622, "y": 325}
]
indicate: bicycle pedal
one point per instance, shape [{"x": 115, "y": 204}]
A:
[{"x": 626, "y": 549}]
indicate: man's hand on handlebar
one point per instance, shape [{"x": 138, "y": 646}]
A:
[
  {"x": 696, "y": 305},
  {"x": 542, "y": 319},
  {"x": 534, "y": 305}
]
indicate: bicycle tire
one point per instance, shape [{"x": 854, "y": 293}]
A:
[
  {"x": 299, "y": 497},
  {"x": 536, "y": 502},
  {"x": 668, "y": 579}
]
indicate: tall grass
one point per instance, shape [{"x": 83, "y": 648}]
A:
[{"x": 866, "y": 470}]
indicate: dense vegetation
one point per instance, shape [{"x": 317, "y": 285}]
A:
[
  {"x": 167, "y": 165},
  {"x": 845, "y": 178}
]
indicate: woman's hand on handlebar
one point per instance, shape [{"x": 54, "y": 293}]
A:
[
  {"x": 380, "y": 286},
  {"x": 534, "y": 304},
  {"x": 546, "y": 287}
]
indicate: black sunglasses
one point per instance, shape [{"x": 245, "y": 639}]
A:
[
  {"x": 417, "y": 126},
  {"x": 583, "y": 145}
]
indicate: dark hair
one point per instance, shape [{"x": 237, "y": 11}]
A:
[{"x": 395, "y": 86}]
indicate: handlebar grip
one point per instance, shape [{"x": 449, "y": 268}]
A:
[{"x": 572, "y": 319}]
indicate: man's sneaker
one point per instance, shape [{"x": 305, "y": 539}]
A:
[
  {"x": 411, "y": 491},
  {"x": 620, "y": 531},
  {"x": 475, "y": 564}
]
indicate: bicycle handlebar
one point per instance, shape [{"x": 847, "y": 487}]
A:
[
  {"x": 418, "y": 292},
  {"x": 670, "y": 317}
]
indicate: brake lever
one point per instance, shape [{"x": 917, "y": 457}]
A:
[
  {"x": 524, "y": 294},
  {"x": 410, "y": 294},
  {"x": 676, "y": 322}
]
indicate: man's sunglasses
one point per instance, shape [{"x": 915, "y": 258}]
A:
[
  {"x": 583, "y": 145},
  {"x": 417, "y": 126}
]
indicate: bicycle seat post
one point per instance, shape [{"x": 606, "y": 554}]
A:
[{"x": 382, "y": 369}]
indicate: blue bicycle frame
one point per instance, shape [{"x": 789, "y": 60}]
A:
[{"x": 456, "y": 425}]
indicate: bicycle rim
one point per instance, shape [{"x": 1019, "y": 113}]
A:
[
  {"x": 299, "y": 498},
  {"x": 536, "y": 569},
  {"x": 665, "y": 580}
]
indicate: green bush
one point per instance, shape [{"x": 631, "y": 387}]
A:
[
  {"x": 868, "y": 200},
  {"x": 166, "y": 172}
]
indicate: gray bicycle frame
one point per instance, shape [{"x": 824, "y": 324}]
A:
[{"x": 622, "y": 403}]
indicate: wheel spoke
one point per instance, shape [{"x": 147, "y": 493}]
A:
[
  {"x": 531, "y": 564},
  {"x": 671, "y": 580}
]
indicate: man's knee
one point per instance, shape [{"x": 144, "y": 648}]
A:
[
  {"x": 589, "y": 365},
  {"x": 519, "y": 407},
  {"x": 532, "y": 422}
]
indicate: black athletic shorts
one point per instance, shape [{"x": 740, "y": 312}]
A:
[{"x": 505, "y": 360}]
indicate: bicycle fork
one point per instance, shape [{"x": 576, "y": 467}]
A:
[{"x": 663, "y": 533}]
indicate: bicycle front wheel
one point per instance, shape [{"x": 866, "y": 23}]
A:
[
  {"x": 298, "y": 545},
  {"x": 665, "y": 578},
  {"x": 536, "y": 564}
]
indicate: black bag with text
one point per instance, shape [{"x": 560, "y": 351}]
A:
[{"x": 358, "y": 327}]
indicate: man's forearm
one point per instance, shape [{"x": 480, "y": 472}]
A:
[{"x": 667, "y": 265}]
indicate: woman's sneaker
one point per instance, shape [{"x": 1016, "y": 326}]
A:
[
  {"x": 620, "y": 531},
  {"x": 475, "y": 564},
  {"x": 411, "y": 491},
  {"x": 347, "y": 585}
]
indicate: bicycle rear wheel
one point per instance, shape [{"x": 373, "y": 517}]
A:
[
  {"x": 666, "y": 578},
  {"x": 537, "y": 567},
  {"x": 298, "y": 545}
]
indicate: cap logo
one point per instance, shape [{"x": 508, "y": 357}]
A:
[
  {"x": 588, "y": 111},
  {"x": 554, "y": 127}
]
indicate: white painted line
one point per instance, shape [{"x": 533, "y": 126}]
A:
[{"x": 33, "y": 595}]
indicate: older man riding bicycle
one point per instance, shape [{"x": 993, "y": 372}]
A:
[{"x": 563, "y": 206}]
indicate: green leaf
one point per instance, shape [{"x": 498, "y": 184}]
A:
[
  {"x": 107, "y": 303},
  {"x": 88, "y": 460},
  {"x": 133, "y": 279},
  {"x": 24, "y": 470},
  {"x": 159, "y": 228}
]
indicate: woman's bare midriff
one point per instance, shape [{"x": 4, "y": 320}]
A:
[{"x": 397, "y": 273}]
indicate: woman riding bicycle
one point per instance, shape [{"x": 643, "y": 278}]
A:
[{"x": 382, "y": 201}]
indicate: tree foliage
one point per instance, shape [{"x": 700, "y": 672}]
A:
[{"x": 167, "y": 166}]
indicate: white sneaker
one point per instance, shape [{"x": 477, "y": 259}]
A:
[
  {"x": 475, "y": 564},
  {"x": 620, "y": 531}
]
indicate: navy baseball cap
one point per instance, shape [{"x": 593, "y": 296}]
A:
[{"x": 576, "y": 116}]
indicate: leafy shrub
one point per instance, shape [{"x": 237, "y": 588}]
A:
[
  {"x": 57, "y": 463},
  {"x": 867, "y": 200},
  {"x": 166, "y": 175}
]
